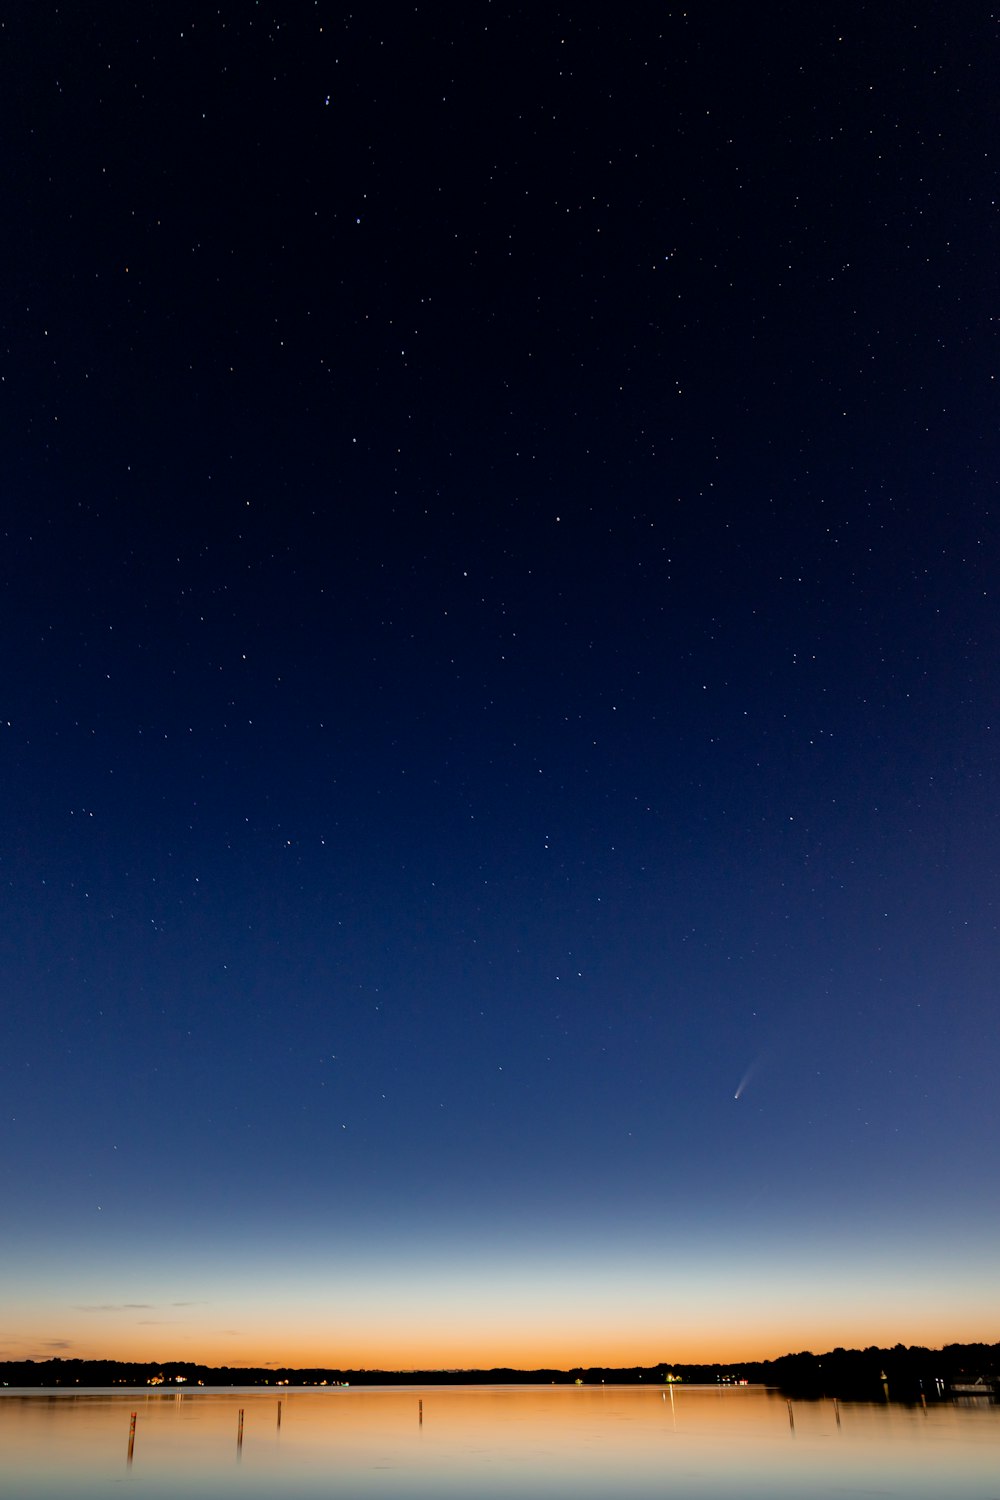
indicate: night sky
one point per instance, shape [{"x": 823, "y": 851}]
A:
[{"x": 499, "y": 684}]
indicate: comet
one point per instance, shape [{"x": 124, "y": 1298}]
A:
[{"x": 746, "y": 1078}]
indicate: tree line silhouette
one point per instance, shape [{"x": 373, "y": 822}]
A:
[{"x": 873, "y": 1374}]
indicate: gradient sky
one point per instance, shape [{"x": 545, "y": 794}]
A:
[{"x": 499, "y": 776}]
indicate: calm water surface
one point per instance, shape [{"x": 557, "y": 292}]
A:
[{"x": 489, "y": 1442}]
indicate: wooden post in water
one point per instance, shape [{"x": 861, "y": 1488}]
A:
[
  {"x": 836, "y": 1410},
  {"x": 131, "y": 1438},
  {"x": 420, "y": 1410},
  {"x": 791, "y": 1416},
  {"x": 239, "y": 1432},
  {"x": 279, "y": 1413}
]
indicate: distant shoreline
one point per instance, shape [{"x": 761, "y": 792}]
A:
[{"x": 898, "y": 1374}]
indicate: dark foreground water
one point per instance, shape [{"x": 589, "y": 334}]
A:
[{"x": 491, "y": 1444}]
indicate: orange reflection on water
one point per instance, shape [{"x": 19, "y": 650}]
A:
[{"x": 716, "y": 1443}]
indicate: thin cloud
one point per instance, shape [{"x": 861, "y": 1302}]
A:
[{"x": 114, "y": 1306}]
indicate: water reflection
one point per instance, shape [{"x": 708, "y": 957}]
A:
[{"x": 491, "y": 1442}]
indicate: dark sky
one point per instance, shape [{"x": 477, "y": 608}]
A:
[{"x": 498, "y": 787}]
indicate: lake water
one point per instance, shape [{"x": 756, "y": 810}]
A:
[{"x": 491, "y": 1443}]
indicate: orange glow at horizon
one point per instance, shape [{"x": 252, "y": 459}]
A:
[
  {"x": 500, "y": 1311},
  {"x": 423, "y": 1349}
]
